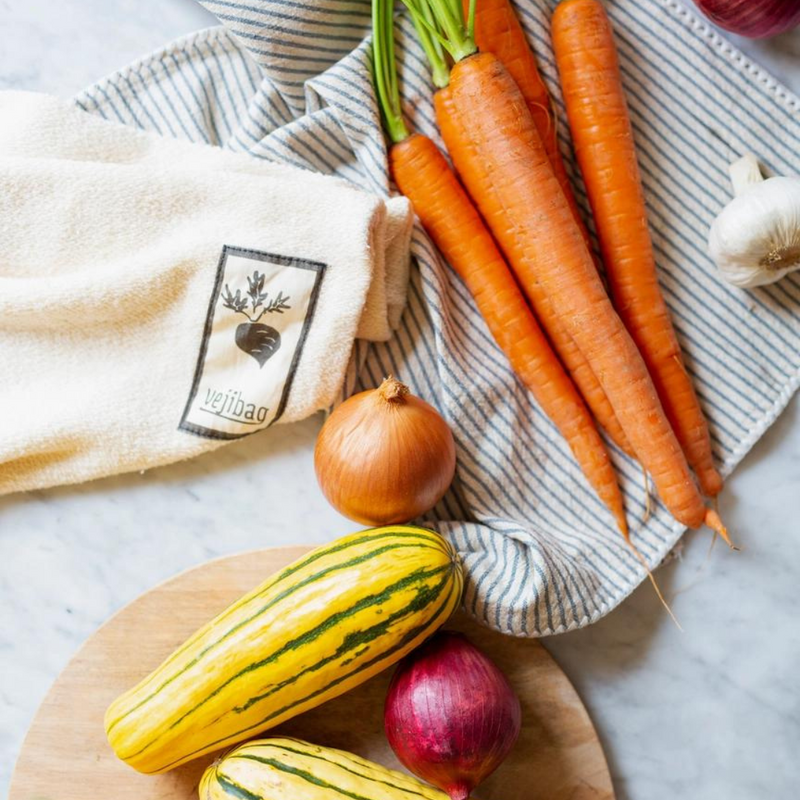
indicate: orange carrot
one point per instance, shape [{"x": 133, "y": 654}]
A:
[
  {"x": 498, "y": 31},
  {"x": 501, "y": 158},
  {"x": 442, "y": 205},
  {"x": 601, "y": 130}
]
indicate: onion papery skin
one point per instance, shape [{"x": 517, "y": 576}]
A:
[
  {"x": 451, "y": 716},
  {"x": 755, "y": 20},
  {"x": 383, "y": 462}
]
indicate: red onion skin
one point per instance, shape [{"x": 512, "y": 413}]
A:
[
  {"x": 451, "y": 716},
  {"x": 756, "y": 20}
]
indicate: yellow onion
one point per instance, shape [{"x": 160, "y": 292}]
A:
[{"x": 384, "y": 456}]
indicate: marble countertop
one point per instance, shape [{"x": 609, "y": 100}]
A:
[{"x": 712, "y": 713}]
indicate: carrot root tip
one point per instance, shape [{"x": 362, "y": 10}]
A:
[
  {"x": 712, "y": 519},
  {"x": 655, "y": 585}
]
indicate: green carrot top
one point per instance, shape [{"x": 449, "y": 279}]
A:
[
  {"x": 441, "y": 28},
  {"x": 443, "y": 34},
  {"x": 384, "y": 70}
]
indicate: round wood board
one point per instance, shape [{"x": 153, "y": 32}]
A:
[{"x": 65, "y": 755}]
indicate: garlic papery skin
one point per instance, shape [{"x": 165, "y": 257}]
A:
[{"x": 756, "y": 238}]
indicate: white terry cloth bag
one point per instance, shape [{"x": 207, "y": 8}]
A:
[{"x": 159, "y": 298}]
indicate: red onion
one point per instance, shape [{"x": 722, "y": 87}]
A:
[
  {"x": 451, "y": 716},
  {"x": 757, "y": 19}
]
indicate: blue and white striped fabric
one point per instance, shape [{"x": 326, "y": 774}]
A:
[{"x": 289, "y": 81}]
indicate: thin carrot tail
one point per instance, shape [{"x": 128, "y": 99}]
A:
[
  {"x": 651, "y": 577},
  {"x": 713, "y": 520},
  {"x": 654, "y": 584}
]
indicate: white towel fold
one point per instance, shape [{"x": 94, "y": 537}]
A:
[{"x": 158, "y": 298}]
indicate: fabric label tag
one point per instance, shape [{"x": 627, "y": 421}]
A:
[{"x": 257, "y": 322}]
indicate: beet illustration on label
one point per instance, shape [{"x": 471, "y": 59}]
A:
[{"x": 255, "y": 338}]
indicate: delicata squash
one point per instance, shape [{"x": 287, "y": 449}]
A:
[
  {"x": 324, "y": 624},
  {"x": 288, "y": 769}
]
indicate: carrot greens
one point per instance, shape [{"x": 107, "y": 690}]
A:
[
  {"x": 443, "y": 22},
  {"x": 384, "y": 69}
]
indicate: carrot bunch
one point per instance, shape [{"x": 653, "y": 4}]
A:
[
  {"x": 525, "y": 230},
  {"x": 423, "y": 175}
]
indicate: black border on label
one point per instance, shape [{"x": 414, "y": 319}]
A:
[{"x": 255, "y": 255}]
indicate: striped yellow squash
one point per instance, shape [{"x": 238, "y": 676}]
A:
[
  {"x": 288, "y": 769},
  {"x": 321, "y": 626}
]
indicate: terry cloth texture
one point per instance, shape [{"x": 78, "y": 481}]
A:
[
  {"x": 143, "y": 277},
  {"x": 288, "y": 81}
]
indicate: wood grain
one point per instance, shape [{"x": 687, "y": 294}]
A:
[{"x": 65, "y": 755}]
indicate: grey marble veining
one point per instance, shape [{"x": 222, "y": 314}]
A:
[{"x": 712, "y": 713}]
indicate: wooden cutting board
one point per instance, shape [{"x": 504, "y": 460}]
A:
[{"x": 65, "y": 755}]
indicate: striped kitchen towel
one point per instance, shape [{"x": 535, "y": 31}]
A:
[{"x": 289, "y": 81}]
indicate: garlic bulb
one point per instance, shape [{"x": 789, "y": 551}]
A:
[{"x": 756, "y": 238}]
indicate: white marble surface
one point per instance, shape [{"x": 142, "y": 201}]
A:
[{"x": 712, "y": 713}]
